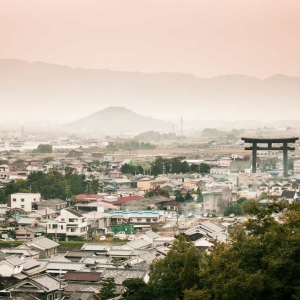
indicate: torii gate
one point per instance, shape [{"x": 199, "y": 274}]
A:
[{"x": 285, "y": 147}]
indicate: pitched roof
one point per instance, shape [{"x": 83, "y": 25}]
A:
[
  {"x": 74, "y": 212},
  {"x": 152, "y": 234},
  {"x": 47, "y": 281},
  {"x": 138, "y": 244},
  {"x": 42, "y": 242},
  {"x": 14, "y": 260},
  {"x": 26, "y": 221},
  {"x": 288, "y": 194},
  {"x": 83, "y": 295},
  {"x": 83, "y": 276}
]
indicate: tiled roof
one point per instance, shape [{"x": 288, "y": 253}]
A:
[
  {"x": 14, "y": 260},
  {"x": 83, "y": 276},
  {"x": 42, "y": 242}
]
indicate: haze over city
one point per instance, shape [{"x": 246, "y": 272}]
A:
[{"x": 149, "y": 149}]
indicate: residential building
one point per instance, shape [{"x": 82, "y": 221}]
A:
[
  {"x": 70, "y": 224},
  {"x": 55, "y": 204},
  {"x": 23, "y": 201},
  {"x": 11, "y": 266},
  {"x": 216, "y": 201},
  {"x": 45, "y": 246},
  {"x": 44, "y": 287}
]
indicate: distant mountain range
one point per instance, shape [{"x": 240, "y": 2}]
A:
[
  {"x": 117, "y": 119},
  {"x": 48, "y": 92}
]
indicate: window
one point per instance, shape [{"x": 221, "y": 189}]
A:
[
  {"x": 22, "y": 200},
  {"x": 22, "y": 206},
  {"x": 62, "y": 227},
  {"x": 148, "y": 220},
  {"x": 82, "y": 229},
  {"x": 54, "y": 226},
  {"x": 73, "y": 229},
  {"x": 14, "y": 199},
  {"x": 62, "y": 219},
  {"x": 73, "y": 220}
]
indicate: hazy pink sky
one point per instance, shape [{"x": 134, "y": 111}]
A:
[{"x": 203, "y": 37}]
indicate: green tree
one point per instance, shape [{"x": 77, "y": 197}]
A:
[
  {"x": 188, "y": 197},
  {"x": 44, "y": 148},
  {"x": 258, "y": 262},
  {"x": 108, "y": 289},
  {"x": 233, "y": 208},
  {"x": 48, "y": 159},
  {"x": 3, "y": 198},
  {"x": 200, "y": 196},
  {"x": 137, "y": 289},
  {"x": 241, "y": 200},
  {"x": 204, "y": 168},
  {"x": 179, "y": 197},
  {"x": 177, "y": 272},
  {"x": 185, "y": 168}
]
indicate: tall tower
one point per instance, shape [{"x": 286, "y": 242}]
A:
[{"x": 181, "y": 126}]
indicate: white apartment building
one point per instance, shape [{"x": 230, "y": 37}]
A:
[
  {"x": 23, "y": 200},
  {"x": 69, "y": 224},
  {"x": 297, "y": 167},
  {"x": 4, "y": 173}
]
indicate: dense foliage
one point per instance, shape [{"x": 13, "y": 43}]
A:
[
  {"x": 176, "y": 165},
  {"x": 134, "y": 170},
  {"x": 44, "y": 148},
  {"x": 108, "y": 290},
  {"x": 53, "y": 185},
  {"x": 261, "y": 260}
]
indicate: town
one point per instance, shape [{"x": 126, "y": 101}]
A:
[{"x": 78, "y": 215}]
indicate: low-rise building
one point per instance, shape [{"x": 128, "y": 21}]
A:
[
  {"x": 23, "y": 201},
  {"x": 70, "y": 224}
]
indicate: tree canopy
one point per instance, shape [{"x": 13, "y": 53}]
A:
[
  {"x": 54, "y": 185},
  {"x": 261, "y": 260},
  {"x": 44, "y": 148}
]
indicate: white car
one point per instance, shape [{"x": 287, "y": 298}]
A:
[
  {"x": 131, "y": 237},
  {"x": 103, "y": 238}
]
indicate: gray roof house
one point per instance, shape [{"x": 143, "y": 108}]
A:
[{"x": 45, "y": 246}]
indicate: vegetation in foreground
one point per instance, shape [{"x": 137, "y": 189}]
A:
[{"x": 260, "y": 261}]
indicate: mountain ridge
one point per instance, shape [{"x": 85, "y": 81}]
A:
[{"x": 66, "y": 93}]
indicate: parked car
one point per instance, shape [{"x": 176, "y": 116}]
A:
[
  {"x": 103, "y": 238},
  {"x": 232, "y": 216},
  {"x": 205, "y": 215},
  {"x": 120, "y": 235},
  {"x": 131, "y": 237}
]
